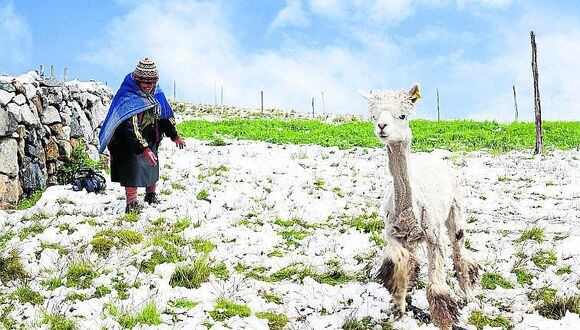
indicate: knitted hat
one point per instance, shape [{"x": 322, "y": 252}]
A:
[{"x": 146, "y": 71}]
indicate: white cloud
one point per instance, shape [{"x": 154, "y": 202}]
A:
[
  {"x": 485, "y": 3},
  {"x": 195, "y": 45},
  {"x": 15, "y": 36},
  {"x": 291, "y": 15}
]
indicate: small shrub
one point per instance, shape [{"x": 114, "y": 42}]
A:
[
  {"x": 25, "y": 294},
  {"x": 102, "y": 245},
  {"x": 224, "y": 310},
  {"x": 191, "y": 276},
  {"x": 275, "y": 321},
  {"x": 480, "y": 321},
  {"x": 492, "y": 280},
  {"x": 79, "y": 158},
  {"x": 534, "y": 234}
]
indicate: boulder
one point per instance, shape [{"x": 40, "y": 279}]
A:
[
  {"x": 54, "y": 98},
  {"x": 8, "y": 119},
  {"x": 29, "y": 116},
  {"x": 38, "y": 104},
  {"x": 19, "y": 87},
  {"x": 64, "y": 149},
  {"x": 5, "y": 97},
  {"x": 20, "y": 99},
  {"x": 50, "y": 116},
  {"x": 8, "y": 157},
  {"x": 9, "y": 191},
  {"x": 51, "y": 149},
  {"x": 6, "y": 85},
  {"x": 32, "y": 178}
]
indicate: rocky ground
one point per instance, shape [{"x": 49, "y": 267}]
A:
[{"x": 293, "y": 231}]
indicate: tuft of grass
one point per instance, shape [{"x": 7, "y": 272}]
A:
[
  {"x": 556, "y": 307},
  {"x": 181, "y": 225},
  {"x": 523, "y": 275},
  {"x": 378, "y": 240},
  {"x": 191, "y": 276},
  {"x": 80, "y": 274},
  {"x": 34, "y": 229},
  {"x": 492, "y": 280},
  {"x": 291, "y": 272},
  {"x": 292, "y": 235},
  {"x": 76, "y": 296},
  {"x": 553, "y": 307},
  {"x": 224, "y": 309},
  {"x": 105, "y": 240},
  {"x": 221, "y": 271},
  {"x": 203, "y": 194},
  {"x": 101, "y": 291},
  {"x": 52, "y": 283},
  {"x": 270, "y": 297},
  {"x": 30, "y": 201},
  {"x": 202, "y": 245},
  {"x": 130, "y": 217},
  {"x": 217, "y": 142},
  {"x": 544, "y": 258},
  {"x": 11, "y": 268},
  {"x": 365, "y": 323},
  {"x": 534, "y": 234},
  {"x": 26, "y": 295},
  {"x": 148, "y": 315},
  {"x": 182, "y": 303},
  {"x": 564, "y": 270},
  {"x": 275, "y": 321},
  {"x": 479, "y": 320},
  {"x": 367, "y": 223},
  {"x": 169, "y": 245},
  {"x": 177, "y": 186},
  {"x": 57, "y": 321}
]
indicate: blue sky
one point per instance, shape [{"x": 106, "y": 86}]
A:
[{"x": 473, "y": 51}]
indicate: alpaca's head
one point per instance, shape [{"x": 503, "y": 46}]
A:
[{"x": 390, "y": 112}]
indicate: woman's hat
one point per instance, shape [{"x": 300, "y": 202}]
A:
[{"x": 146, "y": 71}]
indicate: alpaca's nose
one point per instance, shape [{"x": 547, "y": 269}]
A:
[{"x": 382, "y": 126}]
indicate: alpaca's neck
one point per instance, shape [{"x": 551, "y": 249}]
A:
[{"x": 398, "y": 166}]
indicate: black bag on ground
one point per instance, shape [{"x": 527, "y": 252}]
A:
[{"x": 87, "y": 178}]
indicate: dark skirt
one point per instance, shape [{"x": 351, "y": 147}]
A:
[{"x": 132, "y": 170}]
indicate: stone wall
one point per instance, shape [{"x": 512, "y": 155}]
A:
[{"x": 41, "y": 120}]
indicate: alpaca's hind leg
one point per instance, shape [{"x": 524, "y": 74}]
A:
[
  {"x": 394, "y": 274},
  {"x": 466, "y": 268}
]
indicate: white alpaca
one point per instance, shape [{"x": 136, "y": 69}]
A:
[{"x": 423, "y": 200}]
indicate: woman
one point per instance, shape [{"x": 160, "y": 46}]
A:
[{"x": 138, "y": 117}]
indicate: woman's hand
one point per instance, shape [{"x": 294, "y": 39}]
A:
[
  {"x": 179, "y": 142},
  {"x": 149, "y": 157}
]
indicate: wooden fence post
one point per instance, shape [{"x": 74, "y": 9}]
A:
[
  {"x": 262, "y": 101},
  {"x": 323, "y": 104},
  {"x": 438, "y": 110},
  {"x": 222, "y": 96},
  {"x": 51, "y": 70},
  {"x": 174, "y": 97},
  {"x": 64, "y": 74},
  {"x": 41, "y": 72},
  {"x": 313, "y": 107},
  {"x": 537, "y": 104},
  {"x": 515, "y": 104}
]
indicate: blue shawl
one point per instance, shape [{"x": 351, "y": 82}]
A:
[{"x": 129, "y": 101}]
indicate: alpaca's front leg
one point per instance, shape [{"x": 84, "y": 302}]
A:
[
  {"x": 444, "y": 309},
  {"x": 466, "y": 268},
  {"x": 394, "y": 274}
]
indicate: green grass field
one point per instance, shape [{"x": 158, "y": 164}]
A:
[{"x": 427, "y": 135}]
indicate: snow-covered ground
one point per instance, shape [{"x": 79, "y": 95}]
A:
[{"x": 254, "y": 191}]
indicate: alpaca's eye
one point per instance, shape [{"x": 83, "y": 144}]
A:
[{"x": 402, "y": 117}]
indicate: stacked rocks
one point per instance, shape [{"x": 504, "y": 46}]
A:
[{"x": 40, "y": 122}]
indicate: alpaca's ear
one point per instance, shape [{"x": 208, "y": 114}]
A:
[
  {"x": 415, "y": 93},
  {"x": 365, "y": 96}
]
